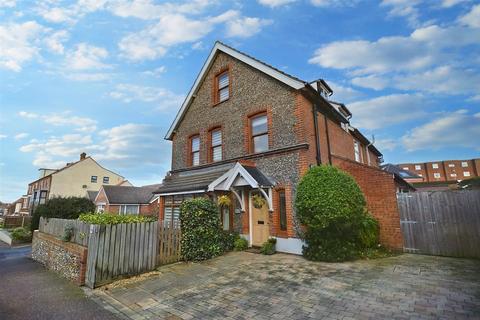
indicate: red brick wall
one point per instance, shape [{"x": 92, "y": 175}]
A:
[{"x": 380, "y": 193}]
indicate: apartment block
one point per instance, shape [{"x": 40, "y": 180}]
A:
[{"x": 445, "y": 170}]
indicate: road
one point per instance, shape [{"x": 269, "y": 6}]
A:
[{"x": 29, "y": 291}]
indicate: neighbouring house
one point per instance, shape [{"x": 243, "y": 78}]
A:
[
  {"x": 4, "y": 208},
  {"x": 127, "y": 200},
  {"x": 76, "y": 179},
  {"x": 250, "y": 131},
  {"x": 403, "y": 177},
  {"x": 19, "y": 206}
]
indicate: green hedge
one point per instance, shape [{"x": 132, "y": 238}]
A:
[
  {"x": 202, "y": 235},
  {"x": 111, "y": 218},
  {"x": 63, "y": 208},
  {"x": 21, "y": 234},
  {"x": 332, "y": 207}
]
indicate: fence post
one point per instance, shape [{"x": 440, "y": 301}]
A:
[{"x": 92, "y": 254}]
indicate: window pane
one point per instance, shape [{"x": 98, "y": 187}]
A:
[
  {"x": 176, "y": 214},
  {"x": 260, "y": 143},
  {"x": 259, "y": 125},
  {"x": 216, "y": 138},
  {"x": 106, "y": 179},
  {"x": 195, "y": 144},
  {"x": 283, "y": 210},
  {"x": 223, "y": 80},
  {"x": 217, "y": 153},
  {"x": 226, "y": 218},
  {"x": 131, "y": 209},
  {"x": 224, "y": 94},
  {"x": 196, "y": 159},
  {"x": 167, "y": 215}
]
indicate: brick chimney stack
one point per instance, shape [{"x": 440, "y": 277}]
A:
[{"x": 83, "y": 155}]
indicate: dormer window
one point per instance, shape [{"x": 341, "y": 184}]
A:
[
  {"x": 195, "y": 150},
  {"x": 222, "y": 83}
]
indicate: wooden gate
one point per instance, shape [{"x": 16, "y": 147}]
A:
[
  {"x": 444, "y": 223},
  {"x": 121, "y": 249},
  {"x": 169, "y": 249}
]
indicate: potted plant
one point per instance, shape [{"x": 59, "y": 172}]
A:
[
  {"x": 223, "y": 201},
  {"x": 258, "y": 201}
]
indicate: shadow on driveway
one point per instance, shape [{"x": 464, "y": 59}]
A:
[{"x": 29, "y": 291}]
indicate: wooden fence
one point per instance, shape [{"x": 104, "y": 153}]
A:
[
  {"x": 16, "y": 221},
  {"x": 56, "y": 227},
  {"x": 445, "y": 223},
  {"x": 121, "y": 249},
  {"x": 169, "y": 249}
]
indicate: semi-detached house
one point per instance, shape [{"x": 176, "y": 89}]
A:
[{"x": 249, "y": 130}]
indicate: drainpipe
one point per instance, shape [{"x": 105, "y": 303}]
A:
[
  {"x": 368, "y": 146},
  {"x": 317, "y": 142}
]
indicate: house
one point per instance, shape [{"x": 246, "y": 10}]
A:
[
  {"x": 127, "y": 200},
  {"x": 19, "y": 206},
  {"x": 250, "y": 131},
  {"x": 76, "y": 179},
  {"x": 403, "y": 177},
  {"x": 444, "y": 170}
]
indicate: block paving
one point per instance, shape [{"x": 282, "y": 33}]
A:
[{"x": 242, "y": 285}]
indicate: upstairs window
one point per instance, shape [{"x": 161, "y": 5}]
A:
[
  {"x": 437, "y": 175},
  {"x": 464, "y": 164},
  {"x": 106, "y": 180},
  {"x": 223, "y": 87},
  {"x": 356, "y": 149},
  {"x": 195, "y": 150},
  {"x": 216, "y": 145},
  {"x": 417, "y": 167},
  {"x": 93, "y": 179},
  {"x": 259, "y": 130},
  {"x": 435, "y": 165}
]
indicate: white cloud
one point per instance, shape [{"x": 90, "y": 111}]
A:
[
  {"x": 275, "y": 3},
  {"x": 403, "y": 8},
  {"x": 87, "y": 76},
  {"x": 29, "y": 115},
  {"x": 163, "y": 97},
  {"x": 7, "y": 3},
  {"x": 20, "y": 136},
  {"x": 386, "y": 144},
  {"x": 3, "y": 136},
  {"x": 371, "y": 82},
  {"x": 147, "y": 10},
  {"x": 49, "y": 10},
  {"x": 64, "y": 146},
  {"x": 454, "y": 129},
  {"x": 472, "y": 18},
  {"x": 334, "y": 3},
  {"x": 387, "y": 110},
  {"x": 155, "y": 72},
  {"x": 18, "y": 44},
  {"x": 344, "y": 94},
  {"x": 451, "y": 3},
  {"x": 55, "y": 41},
  {"x": 86, "y": 57},
  {"x": 244, "y": 27}
]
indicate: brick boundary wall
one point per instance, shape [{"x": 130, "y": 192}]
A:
[
  {"x": 380, "y": 193},
  {"x": 65, "y": 258}
]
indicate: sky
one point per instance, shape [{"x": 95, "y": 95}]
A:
[{"x": 107, "y": 77}]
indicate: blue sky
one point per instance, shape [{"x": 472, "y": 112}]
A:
[{"x": 107, "y": 77}]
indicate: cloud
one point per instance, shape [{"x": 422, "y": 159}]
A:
[
  {"x": 371, "y": 82},
  {"x": 19, "y": 44},
  {"x": 404, "y": 8},
  {"x": 68, "y": 14},
  {"x": 54, "y": 42},
  {"x": 387, "y": 110},
  {"x": 86, "y": 57},
  {"x": 451, "y": 129},
  {"x": 386, "y": 144},
  {"x": 155, "y": 72},
  {"x": 7, "y": 3},
  {"x": 472, "y": 18},
  {"x": 29, "y": 115},
  {"x": 87, "y": 76},
  {"x": 244, "y": 27},
  {"x": 130, "y": 92},
  {"x": 147, "y": 10},
  {"x": 334, "y": 3},
  {"x": 275, "y": 3},
  {"x": 344, "y": 94},
  {"x": 81, "y": 124},
  {"x": 3, "y": 136},
  {"x": 451, "y": 3},
  {"x": 20, "y": 136}
]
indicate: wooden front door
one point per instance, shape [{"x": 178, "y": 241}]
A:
[{"x": 260, "y": 225}]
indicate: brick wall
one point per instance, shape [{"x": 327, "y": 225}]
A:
[
  {"x": 67, "y": 259},
  {"x": 380, "y": 193}
]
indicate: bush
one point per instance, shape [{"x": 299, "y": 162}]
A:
[
  {"x": 201, "y": 230},
  {"x": 113, "y": 218},
  {"x": 228, "y": 240},
  {"x": 332, "y": 207},
  {"x": 240, "y": 244},
  {"x": 21, "y": 234},
  {"x": 268, "y": 247},
  {"x": 64, "y": 208}
]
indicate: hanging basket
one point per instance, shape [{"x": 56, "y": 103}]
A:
[
  {"x": 224, "y": 201},
  {"x": 258, "y": 201}
]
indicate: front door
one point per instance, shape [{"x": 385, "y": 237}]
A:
[{"x": 260, "y": 225}]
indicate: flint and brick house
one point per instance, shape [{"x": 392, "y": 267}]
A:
[
  {"x": 73, "y": 180},
  {"x": 250, "y": 131},
  {"x": 127, "y": 200}
]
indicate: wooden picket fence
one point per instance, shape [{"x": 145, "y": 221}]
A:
[
  {"x": 16, "y": 221},
  {"x": 169, "y": 249},
  {"x": 444, "y": 223},
  {"x": 56, "y": 228}
]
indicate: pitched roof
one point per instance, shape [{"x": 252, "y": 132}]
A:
[
  {"x": 286, "y": 78},
  {"x": 129, "y": 195},
  {"x": 92, "y": 195},
  {"x": 405, "y": 174}
]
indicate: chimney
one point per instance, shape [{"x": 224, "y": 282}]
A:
[{"x": 83, "y": 155}]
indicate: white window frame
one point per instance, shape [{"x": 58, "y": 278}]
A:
[
  {"x": 437, "y": 175},
  {"x": 224, "y": 87},
  {"x": 418, "y": 167},
  {"x": 451, "y": 165},
  {"x": 435, "y": 165},
  {"x": 356, "y": 151},
  {"x": 100, "y": 208},
  {"x": 466, "y": 173},
  {"x": 219, "y": 145},
  {"x": 464, "y": 164},
  {"x": 196, "y": 151},
  {"x": 405, "y": 168}
]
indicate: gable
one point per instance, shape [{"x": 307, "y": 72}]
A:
[{"x": 288, "y": 80}]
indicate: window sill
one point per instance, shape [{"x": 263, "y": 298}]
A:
[{"x": 220, "y": 102}]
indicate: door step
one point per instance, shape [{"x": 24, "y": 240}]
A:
[{"x": 253, "y": 250}]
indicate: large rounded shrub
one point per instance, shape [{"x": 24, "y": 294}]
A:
[
  {"x": 202, "y": 235},
  {"x": 331, "y": 206}
]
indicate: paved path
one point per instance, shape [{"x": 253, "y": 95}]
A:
[
  {"x": 29, "y": 291},
  {"x": 251, "y": 286}
]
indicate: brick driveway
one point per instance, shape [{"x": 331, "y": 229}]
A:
[{"x": 251, "y": 286}]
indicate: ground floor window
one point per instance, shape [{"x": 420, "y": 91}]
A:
[
  {"x": 282, "y": 208},
  {"x": 171, "y": 211},
  {"x": 100, "y": 208},
  {"x": 129, "y": 209}
]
